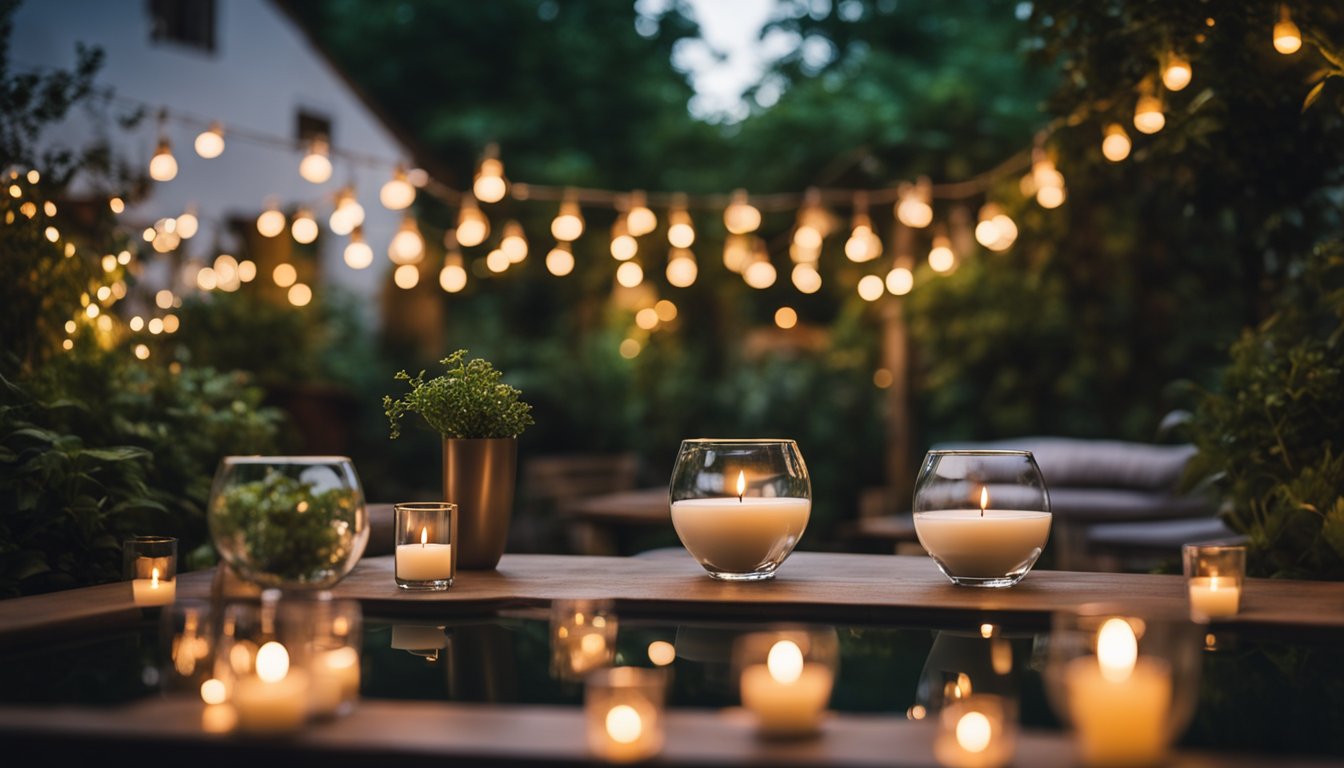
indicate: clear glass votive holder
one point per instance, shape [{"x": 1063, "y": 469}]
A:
[
  {"x": 1215, "y": 575},
  {"x": 1127, "y": 681},
  {"x": 187, "y": 642},
  {"x": 583, "y": 636},
  {"x": 977, "y": 731},
  {"x": 623, "y": 712},
  {"x": 150, "y": 563},
  {"x": 785, "y": 679},
  {"x": 740, "y": 506},
  {"x": 261, "y": 665},
  {"x": 426, "y": 558},
  {"x": 334, "y": 655},
  {"x": 982, "y": 515}
]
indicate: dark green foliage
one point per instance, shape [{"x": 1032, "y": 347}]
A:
[
  {"x": 468, "y": 401},
  {"x": 1273, "y": 435}
]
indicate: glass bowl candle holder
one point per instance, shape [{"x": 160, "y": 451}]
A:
[
  {"x": 785, "y": 679},
  {"x": 740, "y": 506},
  {"x": 583, "y": 637},
  {"x": 977, "y": 731},
  {"x": 1126, "y": 681},
  {"x": 1215, "y": 574},
  {"x": 150, "y": 563},
  {"x": 623, "y": 712},
  {"x": 982, "y": 515}
]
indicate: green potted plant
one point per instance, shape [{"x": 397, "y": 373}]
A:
[{"x": 479, "y": 418}]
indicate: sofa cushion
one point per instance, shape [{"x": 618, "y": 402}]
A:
[{"x": 1067, "y": 462}]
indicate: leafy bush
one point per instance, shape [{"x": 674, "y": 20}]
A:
[{"x": 468, "y": 401}]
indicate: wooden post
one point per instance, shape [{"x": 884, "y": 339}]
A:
[{"x": 900, "y": 482}]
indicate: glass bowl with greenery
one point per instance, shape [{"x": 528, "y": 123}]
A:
[{"x": 288, "y": 521}]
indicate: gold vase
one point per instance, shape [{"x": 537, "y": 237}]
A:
[{"x": 479, "y": 477}]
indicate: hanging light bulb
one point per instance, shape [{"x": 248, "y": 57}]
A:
[
  {"x": 472, "y": 225},
  {"x": 914, "y": 208},
  {"x": 871, "y": 287},
  {"x": 163, "y": 166},
  {"x": 941, "y": 258},
  {"x": 629, "y": 274},
  {"x": 358, "y": 254},
  {"x": 806, "y": 278},
  {"x": 681, "y": 268},
  {"x": 1287, "y": 37},
  {"x": 737, "y": 252},
  {"x": 640, "y": 220},
  {"x": 1115, "y": 144},
  {"x": 812, "y": 226},
  {"x": 406, "y": 276},
  {"x": 1046, "y": 180},
  {"x": 271, "y": 222},
  {"x": 900, "y": 280},
  {"x": 760, "y": 273},
  {"x": 514, "y": 242},
  {"x": 1177, "y": 72},
  {"x": 863, "y": 244},
  {"x": 453, "y": 276},
  {"x": 568, "y": 223},
  {"x": 397, "y": 194},
  {"x": 680, "y": 229},
  {"x": 187, "y": 223},
  {"x": 304, "y": 227},
  {"x": 623, "y": 244},
  {"x": 560, "y": 260},
  {"x": 1050, "y": 197},
  {"x": 284, "y": 274},
  {"x": 1148, "y": 117},
  {"x": 407, "y": 246},
  {"x": 210, "y": 142},
  {"x": 347, "y": 214},
  {"x": 496, "y": 261},
  {"x": 299, "y": 294},
  {"x": 741, "y": 217},
  {"x": 995, "y": 230},
  {"x": 315, "y": 166},
  {"x": 489, "y": 185}
]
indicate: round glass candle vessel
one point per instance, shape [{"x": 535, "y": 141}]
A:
[
  {"x": 982, "y": 515},
  {"x": 740, "y": 506}
]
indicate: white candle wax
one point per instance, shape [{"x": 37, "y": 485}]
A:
[
  {"x": 424, "y": 562},
  {"x": 1120, "y": 722},
  {"x": 982, "y": 546},
  {"x": 1212, "y": 596},
  {"x": 787, "y": 708},
  {"x": 335, "y": 680},
  {"x": 151, "y": 592},
  {"x": 271, "y": 707},
  {"x": 738, "y": 535}
]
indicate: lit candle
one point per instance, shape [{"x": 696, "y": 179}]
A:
[
  {"x": 1212, "y": 596},
  {"x": 275, "y": 698},
  {"x": 740, "y": 534},
  {"x": 623, "y": 713},
  {"x": 975, "y": 732},
  {"x": 424, "y": 561},
  {"x": 153, "y": 590},
  {"x": 335, "y": 681},
  {"x": 974, "y": 544},
  {"x": 1118, "y": 701},
  {"x": 787, "y": 695}
]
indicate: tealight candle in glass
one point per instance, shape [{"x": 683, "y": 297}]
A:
[
  {"x": 187, "y": 639},
  {"x": 583, "y": 637},
  {"x": 740, "y": 506},
  {"x": 261, "y": 666},
  {"x": 150, "y": 563},
  {"x": 978, "y": 731},
  {"x": 1215, "y": 575},
  {"x": 334, "y": 655},
  {"x": 623, "y": 710},
  {"x": 426, "y": 558},
  {"x": 982, "y": 515},
  {"x": 785, "y": 679}
]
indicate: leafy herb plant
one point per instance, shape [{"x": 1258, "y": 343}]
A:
[{"x": 468, "y": 401}]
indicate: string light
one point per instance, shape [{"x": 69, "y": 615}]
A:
[
  {"x": 1045, "y": 181},
  {"x": 667, "y": 311},
  {"x": 247, "y": 270},
  {"x": 760, "y": 273},
  {"x": 914, "y": 208},
  {"x": 629, "y": 274},
  {"x": 623, "y": 244},
  {"x": 1115, "y": 143},
  {"x": 206, "y": 279},
  {"x": 164, "y": 299},
  {"x": 141, "y": 351},
  {"x": 315, "y": 166},
  {"x": 284, "y": 274},
  {"x": 496, "y": 261},
  {"x": 226, "y": 273},
  {"x": 304, "y": 228},
  {"x": 681, "y": 268},
  {"x": 210, "y": 142},
  {"x": 862, "y": 245},
  {"x": 941, "y": 257},
  {"x": 116, "y": 204},
  {"x": 472, "y": 225},
  {"x": 647, "y": 318},
  {"x": 406, "y": 276},
  {"x": 453, "y": 276},
  {"x": 489, "y": 186},
  {"x": 560, "y": 260},
  {"x": 1287, "y": 37},
  {"x": 741, "y": 217},
  {"x": 347, "y": 214},
  {"x": 640, "y": 219},
  {"x": 358, "y": 254},
  {"x": 786, "y": 318},
  {"x": 871, "y": 287},
  {"x": 806, "y": 278},
  {"x": 568, "y": 224},
  {"x": 163, "y": 166},
  {"x": 1148, "y": 117},
  {"x": 514, "y": 242},
  {"x": 271, "y": 222},
  {"x": 737, "y": 252},
  {"x": 1177, "y": 72},
  {"x": 680, "y": 229},
  {"x": 407, "y": 246},
  {"x": 187, "y": 223},
  {"x": 397, "y": 193},
  {"x": 811, "y": 227},
  {"x": 995, "y": 230},
  {"x": 900, "y": 280}
]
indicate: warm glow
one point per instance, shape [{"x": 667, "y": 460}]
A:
[
  {"x": 489, "y": 185},
  {"x": 407, "y": 246},
  {"x": 1050, "y": 197},
  {"x": 116, "y": 204},
  {"x": 807, "y": 237},
  {"x": 662, "y": 653},
  {"x": 941, "y": 258},
  {"x": 630, "y": 349},
  {"x": 514, "y": 242},
  {"x": 247, "y": 270},
  {"x": 568, "y": 223},
  {"x": 164, "y": 299},
  {"x": 284, "y": 274},
  {"x": 647, "y": 318},
  {"x": 593, "y": 644},
  {"x": 623, "y": 245},
  {"x": 871, "y": 287},
  {"x": 984, "y": 499},
  {"x": 680, "y": 230},
  {"x": 741, "y": 217},
  {"x": 1148, "y": 117},
  {"x": 1117, "y": 650},
  {"x": 155, "y": 326},
  {"x": 163, "y": 166},
  {"x": 629, "y": 274},
  {"x": 1177, "y": 73},
  {"x": 986, "y": 631},
  {"x": 315, "y": 166},
  {"x": 170, "y": 323},
  {"x": 973, "y": 732},
  {"x": 141, "y": 351},
  {"x": 136, "y": 323},
  {"x": 785, "y": 662},
  {"x": 406, "y": 277},
  {"x": 913, "y": 209},
  {"x": 424, "y": 536},
  {"x": 741, "y": 483},
  {"x": 681, "y": 268},
  {"x": 736, "y": 252},
  {"x": 624, "y": 724},
  {"x": 453, "y": 277},
  {"x": 272, "y": 662},
  {"x": 187, "y": 224},
  {"x": 1116, "y": 144},
  {"x": 640, "y": 220},
  {"x": 206, "y": 279},
  {"x": 271, "y": 222},
  {"x": 806, "y": 278},
  {"x": 358, "y": 254},
  {"x": 863, "y": 245},
  {"x": 496, "y": 261},
  {"x": 900, "y": 281},
  {"x": 760, "y": 274},
  {"x": 472, "y": 226},
  {"x": 300, "y": 294},
  {"x": 666, "y": 310},
  {"x": 210, "y": 142},
  {"x": 560, "y": 261},
  {"x": 304, "y": 228},
  {"x": 348, "y": 213},
  {"x": 1287, "y": 37},
  {"x": 213, "y": 691},
  {"x": 397, "y": 194},
  {"x": 786, "y": 317}
]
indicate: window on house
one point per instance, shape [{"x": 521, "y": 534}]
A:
[
  {"x": 309, "y": 125},
  {"x": 188, "y": 22}
]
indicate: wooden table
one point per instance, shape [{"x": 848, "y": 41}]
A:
[{"x": 810, "y": 586}]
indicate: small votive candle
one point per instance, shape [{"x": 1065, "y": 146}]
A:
[
  {"x": 261, "y": 665},
  {"x": 1214, "y": 575},
  {"x": 978, "y": 731},
  {"x": 150, "y": 562},
  {"x": 623, "y": 711},
  {"x": 785, "y": 679},
  {"x": 1119, "y": 701},
  {"x": 425, "y": 556},
  {"x": 583, "y": 637},
  {"x": 334, "y": 656},
  {"x": 273, "y": 697}
]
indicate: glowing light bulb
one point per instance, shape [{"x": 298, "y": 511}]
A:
[
  {"x": 760, "y": 273},
  {"x": 900, "y": 281},
  {"x": 116, "y": 204},
  {"x": 300, "y": 294},
  {"x": 1115, "y": 145},
  {"x": 662, "y": 653},
  {"x": 406, "y": 276},
  {"x": 640, "y": 220},
  {"x": 397, "y": 194},
  {"x": 737, "y": 252},
  {"x": 623, "y": 244},
  {"x": 786, "y": 318},
  {"x": 568, "y": 223},
  {"x": 863, "y": 244},
  {"x": 941, "y": 258},
  {"x": 163, "y": 166},
  {"x": 187, "y": 224},
  {"x": 560, "y": 260},
  {"x": 1148, "y": 117},
  {"x": 210, "y": 142},
  {"x": 680, "y": 229},
  {"x": 871, "y": 287},
  {"x": 913, "y": 208},
  {"x": 741, "y": 217},
  {"x": 453, "y": 276},
  {"x": 358, "y": 254},
  {"x": 629, "y": 274},
  {"x": 496, "y": 261},
  {"x": 514, "y": 242},
  {"x": 1177, "y": 74},
  {"x": 666, "y": 310},
  {"x": 681, "y": 268},
  {"x": 472, "y": 225},
  {"x": 995, "y": 230},
  {"x": 284, "y": 274},
  {"x": 806, "y": 278},
  {"x": 1050, "y": 197},
  {"x": 647, "y": 319},
  {"x": 247, "y": 270},
  {"x": 1117, "y": 650},
  {"x": 348, "y": 213},
  {"x": 489, "y": 185},
  {"x": 315, "y": 166},
  {"x": 1287, "y": 37},
  {"x": 407, "y": 246},
  {"x": 271, "y": 222},
  {"x": 304, "y": 227}
]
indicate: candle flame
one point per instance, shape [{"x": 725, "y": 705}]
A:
[
  {"x": 424, "y": 536},
  {"x": 741, "y": 484},
  {"x": 154, "y": 579},
  {"x": 974, "y": 732},
  {"x": 272, "y": 662},
  {"x": 624, "y": 725},
  {"x": 785, "y": 662},
  {"x": 1117, "y": 650},
  {"x": 984, "y": 499}
]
